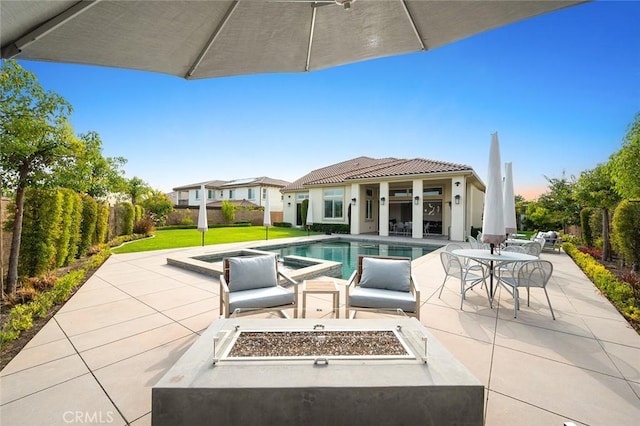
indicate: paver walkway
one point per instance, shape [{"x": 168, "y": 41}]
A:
[{"x": 98, "y": 358}]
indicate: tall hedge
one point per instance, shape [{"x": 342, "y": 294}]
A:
[
  {"x": 76, "y": 221},
  {"x": 66, "y": 226},
  {"x": 626, "y": 232},
  {"x": 139, "y": 213},
  {"x": 102, "y": 224},
  {"x": 126, "y": 216},
  {"x": 88, "y": 224},
  {"x": 40, "y": 231},
  {"x": 585, "y": 223}
]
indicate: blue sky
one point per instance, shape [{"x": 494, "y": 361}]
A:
[{"x": 560, "y": 89}]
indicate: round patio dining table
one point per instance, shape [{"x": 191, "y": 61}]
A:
[{"x": 485, "y": 256}]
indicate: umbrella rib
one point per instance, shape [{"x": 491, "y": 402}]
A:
[
  {"x": 313, "y": 26},
  {"x": 45, "y": 28},
  {"x": 413, "y": 24},
  {"x": 212, "y": 39}
]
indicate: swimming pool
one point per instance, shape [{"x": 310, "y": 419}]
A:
[{"x": 347, "y": 252}]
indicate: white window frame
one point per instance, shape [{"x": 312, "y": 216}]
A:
[{"x": 335, "y": 198}]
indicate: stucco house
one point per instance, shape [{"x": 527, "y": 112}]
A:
[
  {"x": 243, "y": 192},
  {"x": 416, "y": 197}
]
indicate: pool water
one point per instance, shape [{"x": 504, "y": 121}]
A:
[{"x": 347, "y": 252}]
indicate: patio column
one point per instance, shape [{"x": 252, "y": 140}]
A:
[
  {"x": 458, "y": 208},
  {"x": 417, "y": 215},
  {"x": 383, "y": 216},
  {"x": 355, "y": 208}
]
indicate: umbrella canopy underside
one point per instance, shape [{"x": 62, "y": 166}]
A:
[{"x": 214, "y": 38}]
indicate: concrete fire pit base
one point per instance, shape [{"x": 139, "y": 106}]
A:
[{"x": 418, "y": 387}]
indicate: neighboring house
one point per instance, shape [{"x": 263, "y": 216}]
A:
[
  {"x": 243, "y": 192},
  {"x": 391, "y": 196}
]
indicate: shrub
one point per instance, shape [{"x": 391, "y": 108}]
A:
[
  {"x": 593, "y": 252},
  {"x": 626, "y": 235},
  {"x": 333, "y": 228},
  {"x": 585, "y": 223},
  {"x": 228, "y": 211},
  {"x": 125, "y": 216},
  {"x": 88, "y": 225},
  {"x": 144, "y": 226},
  {"x": 76, "y": 220},
  {"x": 282, "y": 224},
  {"x": 21, "y": 316},
  {"x": 186, "y": 220},
  {"x": 40, "y": 232},
  {"x": 102, "y": 224},
  {"x": 595, "y": 225},
  {"x": 620, "y": 293}
]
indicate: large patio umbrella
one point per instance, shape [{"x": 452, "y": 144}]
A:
[
  {"x": 309, "y": 220},
  {"x": 267, "y": 215},
  {"x": 509, "y": 201},
  {"x": 203, "y": 224},
  {"x": 493, "y": 215},
  {"x": 199, "y": 39}
]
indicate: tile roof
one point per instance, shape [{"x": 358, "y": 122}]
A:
[
  {"x": 216, "y": 184},
  {"x": 369, "y": 168}
]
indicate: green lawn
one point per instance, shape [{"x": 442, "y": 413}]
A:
[{"x": 176, "y": 238}]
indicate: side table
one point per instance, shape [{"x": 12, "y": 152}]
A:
[{"x": 320, "y": 287}]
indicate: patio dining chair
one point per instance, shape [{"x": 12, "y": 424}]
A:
[
  {"x": 512, "y": 267},
  {"x": 251, "y": 284},
  {"x": 534, "y": 273},
  {"x": 382, "y": 283},
  {"x": 473, "y": 242},
  {"x": 533, "y": 248},
  {"x": 469, "y": 276}
]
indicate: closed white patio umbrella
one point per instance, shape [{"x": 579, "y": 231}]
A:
[
  {"x": 510, "y": 225},
  {"x": 493, "y": 215},
  {"x": 267, "y": 215},
  {"x": 203, "y": 224},
  {"x": 309, "y": 220}
]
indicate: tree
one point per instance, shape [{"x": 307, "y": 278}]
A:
[
  {"x": 625, "y": 164},
  {"x": 89, "y": 172},
  {"x": 136, "y": 188},
  {"x": 228, "y": 211},
  {"x": 158, "y": 205},
  {"x": 560, "y": 202},
  {"x": 594, "y": 188},
  {"x": 35, "y": 136}
]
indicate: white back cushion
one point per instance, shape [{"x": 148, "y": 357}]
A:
[
  {"x": 388, "y": 274},
  {"x": 246, "y": 273}
]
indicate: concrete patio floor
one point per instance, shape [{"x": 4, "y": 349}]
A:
[{"x": 97, "y": 359}]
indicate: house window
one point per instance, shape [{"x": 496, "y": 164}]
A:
[
  {"x": 369, "y": 209},
  {"x": 264, "y": 193},
  {"x": 197, "y": 194},
  {"x": 252, "y": 193},
  {"x": 210, "y": 194},
  {"x": 221, "y": 194},
  {"x": 428, "y": 192},
  {"x": 232, "y": 194},
  {"x": 401, "y": 192},
  {"x": 333, "y": 203}
]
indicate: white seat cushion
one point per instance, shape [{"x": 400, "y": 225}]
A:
[
  {"x": 266, "y": 297},
  {"x": 382, "y": 299}
]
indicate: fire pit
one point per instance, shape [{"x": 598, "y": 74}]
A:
[{"x": 272, "y": 371}]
